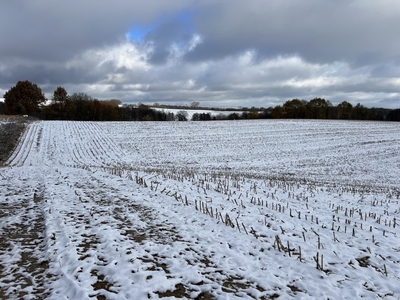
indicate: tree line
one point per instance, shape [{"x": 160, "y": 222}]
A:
[
  {"x": 26, "y": 98},
  {"x": 319, "y": 108}
]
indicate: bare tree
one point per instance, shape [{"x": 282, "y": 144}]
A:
[{"x": 195, "y": 104}]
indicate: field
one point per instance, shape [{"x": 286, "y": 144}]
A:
[{"x": 204, "y": 210}]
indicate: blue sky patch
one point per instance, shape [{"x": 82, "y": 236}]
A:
[{"x": 138, "y": 31}]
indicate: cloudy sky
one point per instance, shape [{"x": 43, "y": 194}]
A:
[{"x": 224, "y": 53}]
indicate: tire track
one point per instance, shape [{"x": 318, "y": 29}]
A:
[{"x": 24, "y": 271}]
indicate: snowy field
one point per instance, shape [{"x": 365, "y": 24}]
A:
[{"x": 207, "y": 210}]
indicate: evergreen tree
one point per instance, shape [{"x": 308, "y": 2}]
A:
[{"x": 23, "y": 99}]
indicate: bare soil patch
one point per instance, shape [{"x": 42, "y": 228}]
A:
[{"x": 11, "y": 129}]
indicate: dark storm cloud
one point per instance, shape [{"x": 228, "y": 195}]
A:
[
  {"x": 52, "y": 30},
  {"x": 386, "y": 70},
  {"x": 359, "y": 32},
  {"x": 163, "y": 37},
  {"x": 42, "y": 74}
]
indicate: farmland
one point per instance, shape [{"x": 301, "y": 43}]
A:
[{"x": 208, "y": 210}]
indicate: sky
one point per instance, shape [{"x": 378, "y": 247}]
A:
[{"x": 225, "y": 53}]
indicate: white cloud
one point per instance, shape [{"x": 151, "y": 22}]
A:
[
  {"x": 242, "y": 78},
  {"x": 124, "y": 55}
]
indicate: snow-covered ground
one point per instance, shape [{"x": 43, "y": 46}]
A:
[{"x": 207, "y": 210}]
